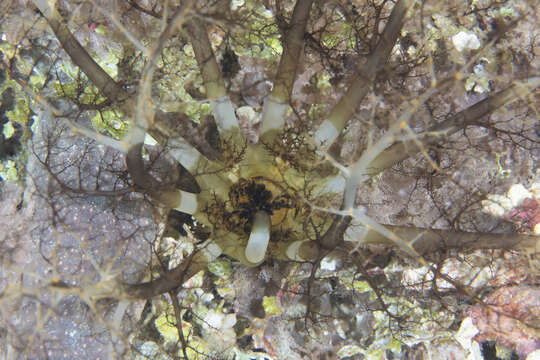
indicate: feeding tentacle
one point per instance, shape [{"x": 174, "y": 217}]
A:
[
  {"x": 213, "y": 81},
  {"x": 278, "y": 102},
  {"x": 343, "y": 111}
]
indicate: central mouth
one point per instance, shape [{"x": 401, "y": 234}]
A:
[
  {"x": 257, "y": 205},
  {"x": 262, "y": 206},
  {"x": 251, "y": 196}
]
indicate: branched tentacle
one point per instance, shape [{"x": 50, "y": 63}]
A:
[
  {"x": 213, "y": 81},
  {"x": 143, "y": 116},
  {"x": 363, "y": 80},
  {"x": 278, "y": 102}
]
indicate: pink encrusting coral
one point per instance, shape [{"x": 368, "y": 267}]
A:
[
  {"x": 509, "y": 318},
  {"x": 526, "y": 216}
]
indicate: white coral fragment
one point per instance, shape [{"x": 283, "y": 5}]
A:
[
  {"x": 466, "y": 333},
  {"x": 499, "y": 205},
  {"x": 517, "y": 193},
  {"x": 247, "y": 113},
  {"x": 219, "y": 328},
  {"x": 465, "y": 41},
  {"x": 328, "y": 264},
  {"x": 218, "y": 320},
  {"x": 236, "y": 4}
]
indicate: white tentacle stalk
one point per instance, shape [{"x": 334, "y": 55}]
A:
[
  {"x": 293, "y": 251},
  {"x": 188, "y": 202},
  {"x": 259, "y": 238},
  {"x": 273, "y": 115},
  {"x": 224, "y": 113}
]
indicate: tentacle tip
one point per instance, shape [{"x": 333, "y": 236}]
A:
[
  {"x": 293, "y": 251},
  {"x": 259, "y": 238}
]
